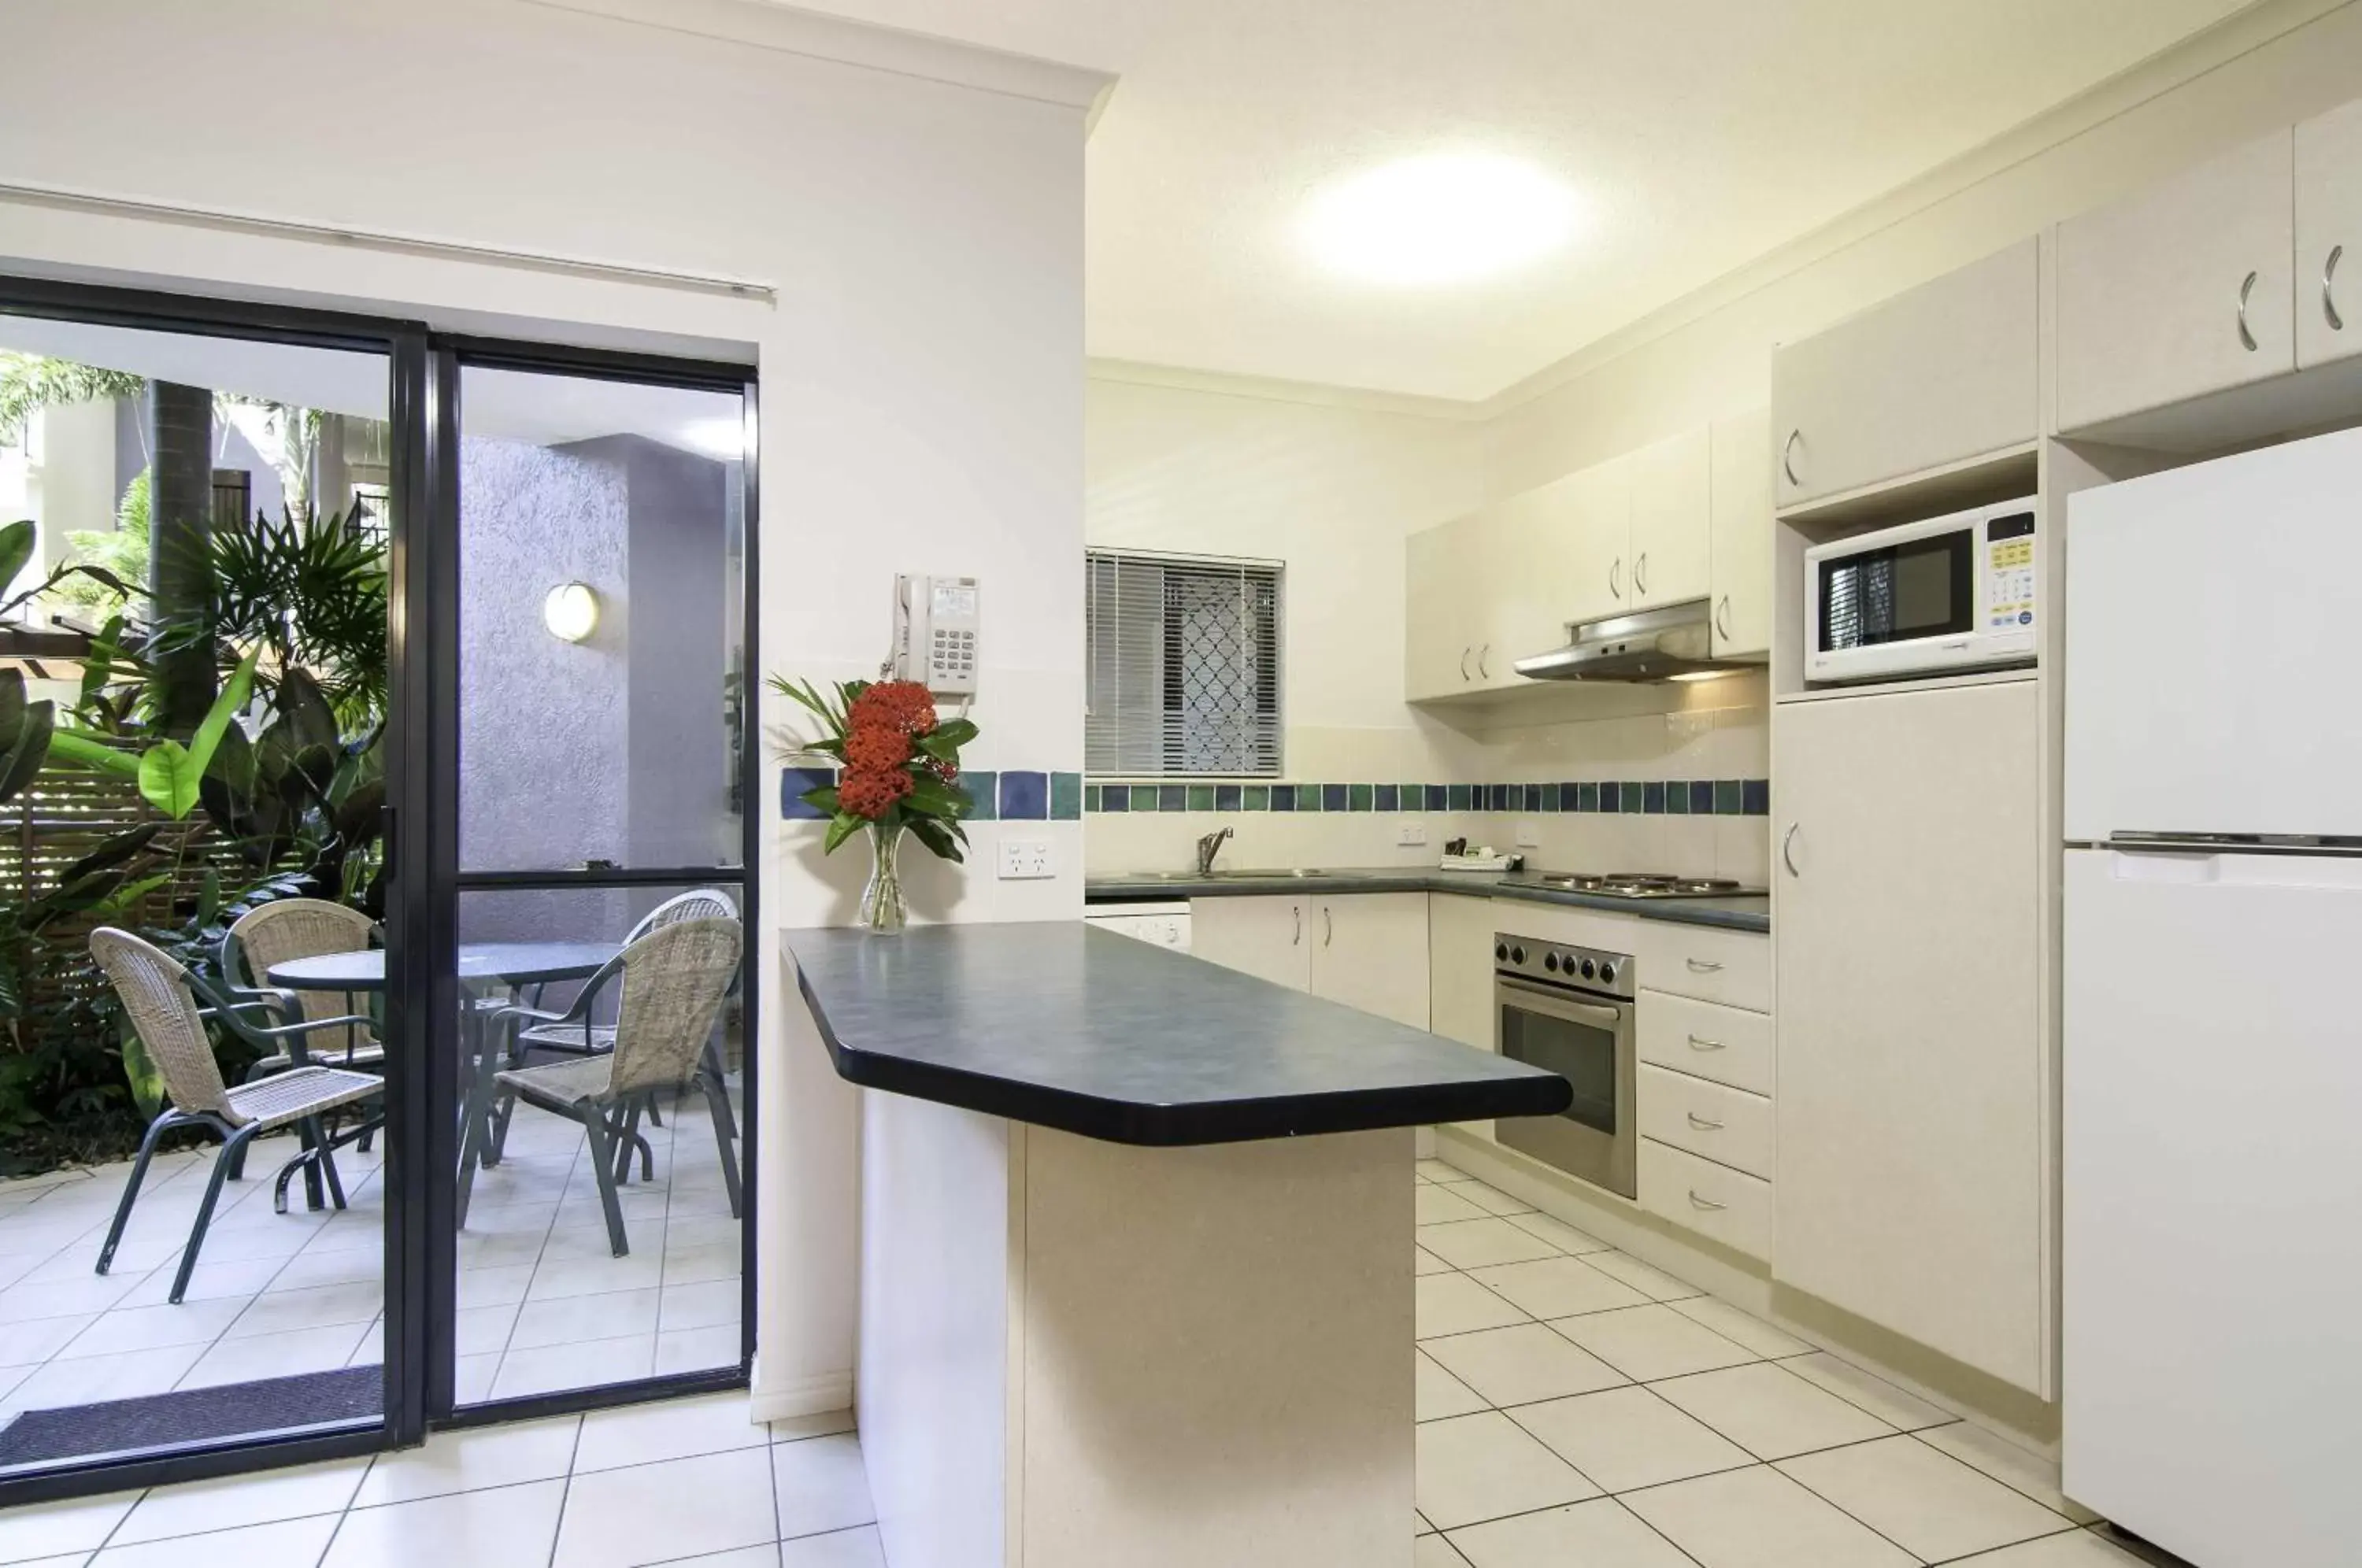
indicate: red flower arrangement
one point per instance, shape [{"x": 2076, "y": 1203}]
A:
[{"x": 901, "y": 762}]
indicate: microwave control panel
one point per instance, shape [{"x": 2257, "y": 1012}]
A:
[{"x": 2009, "y": 572}]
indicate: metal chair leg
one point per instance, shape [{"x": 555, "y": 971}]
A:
[
  {"x": 238, "y": 1141},
  {"x": 710, "y": 1060},
  {"x": 155, "y": 1129},
  {"x": 717, "y": 1099},
  {"x": 471, "y": 1140},
  {"x": 594, "y": 1128},
  {"x": 324, "y": 1154},
  {"x": 628, "y": 1135}
]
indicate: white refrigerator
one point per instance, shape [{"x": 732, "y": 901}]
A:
[{"x": 2211, "y": 1358}]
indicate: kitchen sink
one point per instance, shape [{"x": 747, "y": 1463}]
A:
[{"x": 1274, "y": 874}]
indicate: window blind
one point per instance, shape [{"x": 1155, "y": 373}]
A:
[{"x": 1183, "y": 664}]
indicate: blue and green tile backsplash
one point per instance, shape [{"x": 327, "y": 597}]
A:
[
  {"x": 1666, "y": 797},
  {"x": 1010, "y": 795}
]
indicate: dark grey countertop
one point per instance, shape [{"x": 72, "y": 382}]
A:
[
  {"x": 1752, "y": 912},
  {"x": 1062, "y": 1026}
]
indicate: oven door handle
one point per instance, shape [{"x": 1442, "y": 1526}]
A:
[{"x": 1556, "y": 1004}]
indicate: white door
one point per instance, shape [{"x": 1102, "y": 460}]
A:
[
  {"x": 1369, "y": 951},
  {"x": 1741, "y": 550},
  {"x": 2181, "y": 290},
  {"x": 1672, "y": 527},
  {"x": 2209, "y": 626},
  {"x": 2329, "y": 236},
  {"x": 2212, "y": 1203},
  {"x": 1911, "y": 1086},
  {"x": 1268, "y": 937}
]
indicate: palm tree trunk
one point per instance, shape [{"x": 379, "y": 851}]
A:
[{"x": 180, "y": 517}]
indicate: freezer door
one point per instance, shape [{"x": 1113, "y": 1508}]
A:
[
  {"x": 2211, "y": 1362},
  {"x": 2212, "y": 621}
]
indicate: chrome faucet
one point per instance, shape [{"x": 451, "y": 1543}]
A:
[{"x": 1210, "y": 846}]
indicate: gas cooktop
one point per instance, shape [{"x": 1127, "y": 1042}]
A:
[{"x": 1640, "y": 885}]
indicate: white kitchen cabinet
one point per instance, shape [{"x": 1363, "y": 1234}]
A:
[
  {"x": 1728, "y": 1126},
  {"x": 1672, "y": 551},
  {"x": 1565, "y": 556},
  {"x": 1370, "y": 951},
  {"x": 1740, "y": 537},
  {"x": 1459, "y": 968},
  {"x": 1265, "y": 935},
  {"x": 2329, "y": 236},
  {"x": 1726, "y": 1204},
  {"x": 1728, "y": 1044},
  {"x": 1447, "y": 614},
  {"x": 2183, "y": 289},
  {"x": 1911, "y": 1084},
  {"x": 1938, "y": 375}
]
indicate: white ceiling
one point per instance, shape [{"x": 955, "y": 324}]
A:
[{"x": 1700, "y": 133}]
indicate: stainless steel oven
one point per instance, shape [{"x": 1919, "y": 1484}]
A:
[{"x": 1568, "y": 1011}]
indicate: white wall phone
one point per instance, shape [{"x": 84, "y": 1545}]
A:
[{"x": 935, "y": 628}]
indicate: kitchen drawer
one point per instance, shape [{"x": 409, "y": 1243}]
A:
[
  {"x": 1733, "y": 967},
  {"x": 1715, "y": 1201},
  {"x": 1728, "y": 1044},
  {"x": 1728, "y": 1126}
]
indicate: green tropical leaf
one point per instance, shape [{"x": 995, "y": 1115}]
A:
[
  {"x": 139, "y": 1068},
  {"x": 822, "y": 799},
  {"x": 17, "y": 541},
  {"x": 956, "y": 733},
  {"x": 931, "y": 796},
  {"x": 76, "y": 746},
  {"x": 938, "y": 836},
  {"x": 114, "y": 852},
  {"x": 170, "y": 773},
  {"x": 33, "y": 728},
  {"x": 842, "y": 826}
]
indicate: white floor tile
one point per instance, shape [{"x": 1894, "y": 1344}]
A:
[
  {"x": 283, "y": 1354},
  {"x": 31, "y": 1343},
  {"x": 262, "y": 1497},
  {"x": 1601, "y": 1533},
  {"x": 2081, "y": 1548},
  {"x": 1455, "y": 1304},
  {"x": 154, "y": 1328},
  {"x": 1433, "y": 1206},
  {"x": 596, "y": 1276},
  {"x": 838, "y": 1548},
  {"x": 286, "y": 1543},
  {"x": 500, "y": 1286},
  {"x": 1423, "y": 1262},
  {"x": 1741, "y": 1326},
  {"x": 65, "y": 1299},
  {"x": 50, "y": 1529},
  {"x": 2005, "y": 1462},
  {"x": 472, "y": 1378},
  {"x": 1770, "y": 1412},
  {"x": 713, "y": 1260},
  {"x": 1558, "y": 1288},
  {"x": 102, "y": 1377},
  {"x": 483, "y": 1330},
  {"x": 585, "y": 1365},
  {"x": 1624, "y": 1437},
  {"x": 509, "y": 1525},
  {"x": 571, "y": 1319},
  {"x": 683, "y": 1508},
  {"x": 672, "y": 1428},
  {"x": 1521, "y": 1364},
  {"x": 1434, "y": 1552},
  {"x": 764, "y": 1556},
  {"x": 1891, "y": 1404},
  {"x": 282, "y": 1312},
  {"x": 470, "y": 1461},
  {"x": 1654, "y": 1284},
  {"x": 820, "y": 1485},
  {"x": 1560, "y": 1234},
  {"x": 1473, "y": 1468},
  {"x": 311, "y": 1268},
  {"x": 700, "y": 1349},
  {"x": 828, "y": 1423},
  {"x": 1759, "y": 1518},
  {"x": 1491, "y": 1199},
  {"x": 214, "y": 1279},
  {"x": 1437, "y": 1394},
  {"x": 706, "y": 1305},
  {"x": 1926, "y": 1502},
  {"x": 1645, "y": 1344},
  {"x": 69, "y": 1560},
  {"x": 1436, "y": 1170},
  {"x": 1478, "y": 1243}
]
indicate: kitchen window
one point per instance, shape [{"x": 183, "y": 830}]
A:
[{"x": 1182, "y": 665}]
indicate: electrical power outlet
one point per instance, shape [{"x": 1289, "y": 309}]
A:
[
  {"x": 1025, "y": 859},
  {"x": 1411, "y": 834},
  {"x": 1530, "y": 834}
]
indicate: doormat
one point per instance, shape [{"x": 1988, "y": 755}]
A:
[{"x": 192, "y": 1416}]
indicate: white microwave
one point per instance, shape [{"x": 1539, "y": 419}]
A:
[{"x": 1954, "y": 592}]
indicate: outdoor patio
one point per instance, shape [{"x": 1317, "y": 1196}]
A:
[{"x": 543, "y": 1303}]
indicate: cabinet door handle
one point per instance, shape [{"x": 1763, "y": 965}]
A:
[
  {"x": 1328, "y": 925},
  {"x": 1722, "y": 618},
  {"x": 1640, "y": 573},
  {"x": 1616, "y": 577},
  {"x": 1298, "y": 939},
  {"x": 1788, "y": 849},
  {"x": 1703, "y": 966},
  {"x": 1463, "y": 663},
  {"x": 1708, "y": 1204},
  {"x": 2247, "y": 338},
  {"x": 1788, "y": 457},
  {"x": 1700, "y": 1124},
  {"x": 1485, "y": 670},
  {"x": 1699, "y": 1042},
  {"x": 2328, "y": 289}
]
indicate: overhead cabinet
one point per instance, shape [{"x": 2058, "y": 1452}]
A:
[
  {"x": 1739, "y": 550},
  {"x": 1936, "y": 376},
  {"x": 1367, "y": 950},
  {"x": 1670, "y": 549},
  {"x": 2185, "y": 289},
  {"x": 2329, "y": 236}
]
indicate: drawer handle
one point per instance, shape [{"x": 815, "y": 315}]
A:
[
  {"x": 1698, "y": 1043},
  {"x": 2328, "y": 286},
  {"x": 1327, "y": 924},
  {"x": 2247, "y": 338},
  {"x": 1704, "y": 966},
  {"x": 1708, "y": 1204},
  {"x": 1701, "y": 1124},
  {"x": 1298, "y": 939}
]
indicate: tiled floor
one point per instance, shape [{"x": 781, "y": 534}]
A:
[
  {"x": 1578, "y": 1407},
  {"x": 691, "y": 1482},
  {"x": 543, "y": 1303}
]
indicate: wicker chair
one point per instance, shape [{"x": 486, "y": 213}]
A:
[
  {"x": 672, "y": 983},
  {"x": 300, "y": 928},
  {"x": 163, "y": 999}
]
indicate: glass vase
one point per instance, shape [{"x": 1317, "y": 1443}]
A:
[{"x": 884, "y": 911}]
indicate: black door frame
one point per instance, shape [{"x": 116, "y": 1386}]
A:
[{"x": 422, "y": 850}]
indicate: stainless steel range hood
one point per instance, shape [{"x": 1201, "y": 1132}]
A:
[{"x": 1654, "y": 644}]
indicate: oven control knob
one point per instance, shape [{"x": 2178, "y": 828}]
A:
[
  {"x": 1501, "y": 950},
  {"x": 1517, "y": 954},
  {"x": 1589, "y": 968},
  {"x": 1607, "y": 974}
]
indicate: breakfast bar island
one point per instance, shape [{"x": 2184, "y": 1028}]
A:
[{"x": 1136, "y": 1247}]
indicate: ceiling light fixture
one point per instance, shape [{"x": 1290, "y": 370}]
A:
[
  {"x": 571, "y": 612},
  {"x": 1441, "y": 217}
]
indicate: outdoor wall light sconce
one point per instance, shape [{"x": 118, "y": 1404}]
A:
[{"x": 571, "y": 612}]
